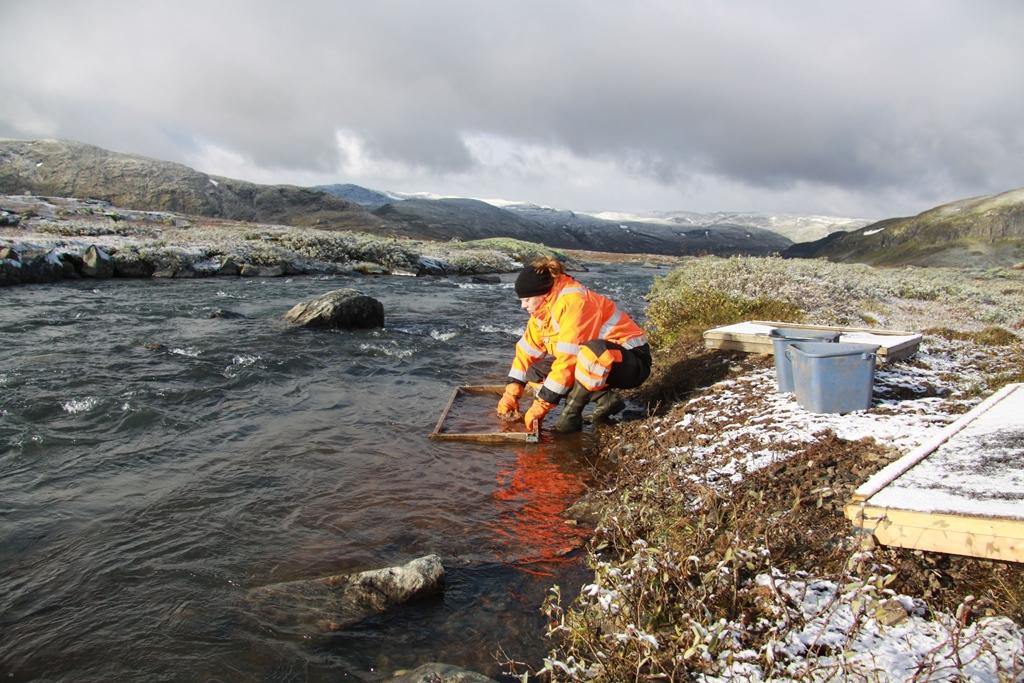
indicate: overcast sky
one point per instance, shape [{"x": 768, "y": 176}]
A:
[{"x": 862, "y": 108}]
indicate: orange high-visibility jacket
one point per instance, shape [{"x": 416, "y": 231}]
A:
[{"x": 570, "y": 315}]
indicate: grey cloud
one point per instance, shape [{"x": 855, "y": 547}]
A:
[{"x": 914, "y": 99}]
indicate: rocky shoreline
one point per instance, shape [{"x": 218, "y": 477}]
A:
[{"x": 50, "y": 239}]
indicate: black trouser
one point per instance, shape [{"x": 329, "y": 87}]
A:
[{"x": 634, "y": 369}]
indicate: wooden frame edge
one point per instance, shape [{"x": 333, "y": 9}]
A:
[{"x": 993, "y": 538}]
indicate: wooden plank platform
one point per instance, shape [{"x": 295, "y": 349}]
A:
[
  {"x": 477, "y": 427},
  {"x": 960, "y": 493},
  {"x": 752, "y": 337}
]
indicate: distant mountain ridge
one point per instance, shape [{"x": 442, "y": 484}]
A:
[
  {"x": 655, "y": 236},
  {"x": 980, "y": 231},
  {"x": 71, "y": 169},
  {"x": 444, "y": 217},
  {"x": 63, "y": 168},
  {"x": 468, "y": 219},
  {"x": 794, "y": 227}
]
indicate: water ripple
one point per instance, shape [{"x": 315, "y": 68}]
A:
[{"x": 157, "y": 463}]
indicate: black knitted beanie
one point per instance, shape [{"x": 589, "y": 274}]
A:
[{"x": 531, "y": 283}]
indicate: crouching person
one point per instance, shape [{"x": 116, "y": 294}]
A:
[{"x": 578, "y": 346}]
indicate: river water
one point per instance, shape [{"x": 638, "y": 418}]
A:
[{"x": 156, "y": 463}]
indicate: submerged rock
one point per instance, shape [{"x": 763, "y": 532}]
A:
[
  {"x": 332, "y": 603},
  {"x": 226, "y": 314},
  {"x": 346, "y": 308},
  {"x": 435, "y": 672}
]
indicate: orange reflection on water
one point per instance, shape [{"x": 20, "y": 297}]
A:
[{"x": 532, "y": 496}]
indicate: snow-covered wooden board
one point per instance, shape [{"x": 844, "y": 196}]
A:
[
  {"x": 752, "y": 337},
  {"x": 962, "y": 492}
]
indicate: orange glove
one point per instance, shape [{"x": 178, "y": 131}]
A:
[
  {"x": 509, "y": 402},
  {"x": 535, "y": 415}
]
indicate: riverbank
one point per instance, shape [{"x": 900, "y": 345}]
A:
[
  {"x": 721, "y": 550},
  {"x": 720, "y": 547},
  {"x": 48, "y": 239}
]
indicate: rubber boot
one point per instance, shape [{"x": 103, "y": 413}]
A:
[
  {"x": 606, "y": 404},
  {"x": 571, "y": 419}
]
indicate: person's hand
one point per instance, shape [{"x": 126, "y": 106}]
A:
[
  {"x": 535, "y": 415},
  {"x": 509, "y": 403}
]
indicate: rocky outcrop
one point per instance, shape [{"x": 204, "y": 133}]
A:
[
  {"x": 332, "y": 603},
  {"x": 435, "y": 672},
  {"x": 28, "y": 267},
  {"x": 433, "y": 266},
  {"x": 130, "y": 263},
  {"x": 97, "y": 263},
  {"x": 159, "y": 244},
  {"x": 10, "y": 271},
  {"x": 344, "y": 308}
]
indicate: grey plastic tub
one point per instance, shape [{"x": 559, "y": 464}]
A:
[
  {"x": 833, "y": 378},
  {"x": 781, "y": 338}
]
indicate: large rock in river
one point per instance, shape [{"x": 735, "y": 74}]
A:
[
  {"x": 333, "y": 602},
  {"x": 346, "y": 308}
]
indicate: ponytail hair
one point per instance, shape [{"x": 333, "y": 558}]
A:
[{"x": 546, "y": 264}]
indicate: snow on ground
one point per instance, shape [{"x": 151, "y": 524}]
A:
[
  {"x": 860, "y": 630},
  {"x": 855, "y": 633},
  {"x": 743, "y": 424}
]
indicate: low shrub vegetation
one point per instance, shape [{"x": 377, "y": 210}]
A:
[
  {"x": 524, "y": 252},
  {"x": 707, "y": 292},
  {"x": 684, "y": 310},
  {"x": 705, "y": 570}
]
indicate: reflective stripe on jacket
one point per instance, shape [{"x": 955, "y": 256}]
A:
[
  {"x": 570, "y": 315},
  {"x": 592, "y": 369}
]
